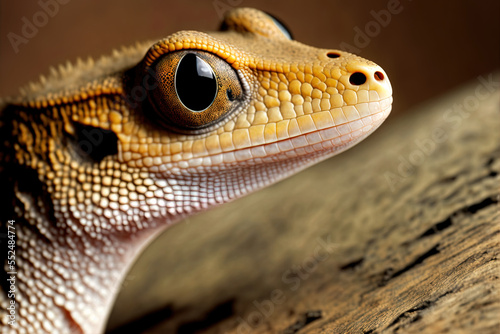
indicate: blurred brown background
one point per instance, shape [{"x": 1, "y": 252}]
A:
[{"x": 427, "y": 48}]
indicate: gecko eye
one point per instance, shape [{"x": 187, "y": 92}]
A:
[{"x": 194, "y": 90}]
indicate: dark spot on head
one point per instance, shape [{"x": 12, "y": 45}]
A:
[{"x": 93, "y": 143}]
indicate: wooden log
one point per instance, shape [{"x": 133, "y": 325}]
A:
[{"x": 398, "y": 235}]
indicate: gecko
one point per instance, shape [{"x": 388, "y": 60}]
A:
[{"x": 101, "y": 156}]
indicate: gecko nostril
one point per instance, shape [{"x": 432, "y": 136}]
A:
[
  {"x": 379, "y": 76},
  {"x": 332, "y": 55},
  {"x": 357, "y": 79}
]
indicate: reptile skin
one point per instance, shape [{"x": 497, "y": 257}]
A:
[{"x": 100, "y": 157}]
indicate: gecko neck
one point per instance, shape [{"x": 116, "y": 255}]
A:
[{"x": 69, "y": 275}]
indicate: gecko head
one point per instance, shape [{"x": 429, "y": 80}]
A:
[
  {"x": 254, "y": 70},
  {"x": 244, "y": 100},
  {"x": 226, "y": 113}
]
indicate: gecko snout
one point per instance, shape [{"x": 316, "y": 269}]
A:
[
  {"x": 373, "y": 76},
  {"x": 360, "y": 77}
]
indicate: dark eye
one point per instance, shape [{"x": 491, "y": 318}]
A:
[
  {"x": 195, "y": 83},
  {"x": 281, "y": 26},
  {"x": 194, "y": 90}
]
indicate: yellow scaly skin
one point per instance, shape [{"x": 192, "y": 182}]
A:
[{"x": 95, "y": 165}]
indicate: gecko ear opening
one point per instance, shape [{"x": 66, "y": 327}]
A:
[{"x": 194, "y": 89}]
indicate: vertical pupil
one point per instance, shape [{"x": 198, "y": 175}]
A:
[{"x": 195, "y": 83}]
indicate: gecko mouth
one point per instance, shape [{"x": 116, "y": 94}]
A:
[
  {"x": 323, "y": 142},
  {"x": 255, "y": 167},
  {"x": 334, "y": 139}
]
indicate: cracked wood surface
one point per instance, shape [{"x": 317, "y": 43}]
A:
[{"x": 398, "y": 235}]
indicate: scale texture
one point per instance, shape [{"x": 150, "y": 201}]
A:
[{"x": 101, "y": 156}]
